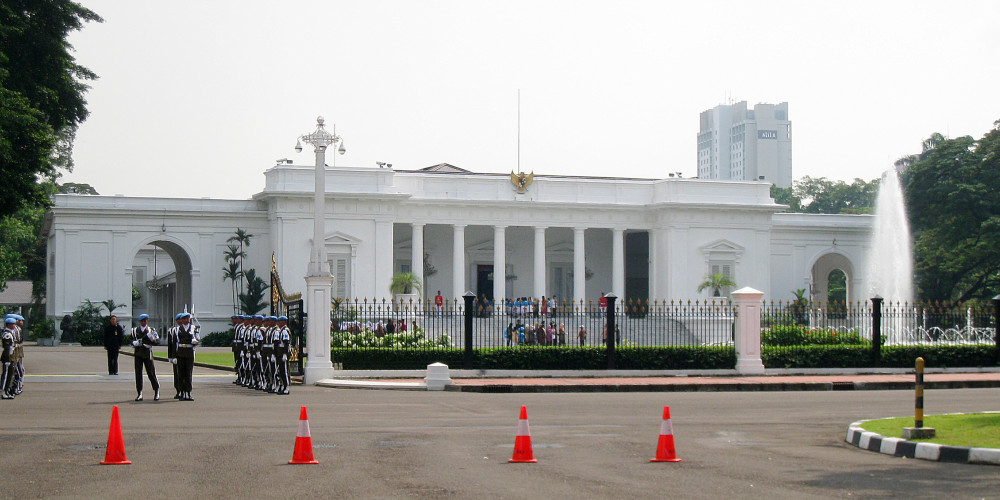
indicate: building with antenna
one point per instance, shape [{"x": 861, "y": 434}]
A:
[{"x": 737, "y": 143}]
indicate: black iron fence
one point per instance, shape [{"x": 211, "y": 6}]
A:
[
  {"x": 365, "y": 324},
  {"x": 849, "y": 334}
]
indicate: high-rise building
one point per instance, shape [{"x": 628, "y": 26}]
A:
[{"x": 736, "y": 143}]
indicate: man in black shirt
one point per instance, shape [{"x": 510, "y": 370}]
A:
[{"x": 114, "y": 335}]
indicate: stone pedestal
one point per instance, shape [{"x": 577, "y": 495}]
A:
[
  {"x": 437, "y": 377},
  {"x": 318, "y": 365},
  {"x": 918, "y": 432}
]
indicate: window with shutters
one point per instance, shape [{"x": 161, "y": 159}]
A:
[{"x": 340, "y": 265}]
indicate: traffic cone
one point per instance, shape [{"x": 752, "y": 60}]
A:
[
  {"x": 522, "y": 443},
  {"x": 115, "y": 454},
  {"x": 303, "y": 453},
  {"x": 665, "y": 451}
]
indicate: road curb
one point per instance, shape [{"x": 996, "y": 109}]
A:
[
  {"x": 857, "y": 436},
  {"x": 720, "y": 387}
]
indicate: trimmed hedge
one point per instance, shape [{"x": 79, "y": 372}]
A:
[
  {"x": 848, "y": 356},
  {"x": 664, "y": 358},
  {"x": 540, "y": 358}
]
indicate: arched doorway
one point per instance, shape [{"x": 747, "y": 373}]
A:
[
  {"x": 161, "y": 281},
  {"x": 834, "y": 273}
]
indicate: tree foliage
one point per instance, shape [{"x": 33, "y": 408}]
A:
[
  {"x": 823, "y": 196},
  {"x": 41, "y": 96},
  {"x": 953, "y": 199}
]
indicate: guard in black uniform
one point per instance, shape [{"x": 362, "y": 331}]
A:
[
  {"x": 282, "y": 340},
  {"x": 6, "y": 357},
  {"x": 144, "y": 337},
  {"x": 267, "y": 353},
  {"x": 184, "y": 339},
  {"x": 237, "y": 345}
]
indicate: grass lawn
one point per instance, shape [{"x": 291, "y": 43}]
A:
[
  {"x": 976, "y": 430},
  {"x": 213, "y": 358}
]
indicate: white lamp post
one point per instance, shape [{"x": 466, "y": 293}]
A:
[{"x": 319, "y": 282}]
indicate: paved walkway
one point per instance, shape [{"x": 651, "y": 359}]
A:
[{"x": 814, "y": 382}]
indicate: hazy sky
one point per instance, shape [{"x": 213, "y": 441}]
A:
[{"x": 197, "y": 99}]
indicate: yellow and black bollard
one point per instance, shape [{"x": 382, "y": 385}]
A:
[{"x": 918, "y": 431}]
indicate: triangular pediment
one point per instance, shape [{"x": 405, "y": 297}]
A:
[{"x": 339, "y": 238}]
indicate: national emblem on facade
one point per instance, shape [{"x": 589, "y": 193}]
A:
[{"x": 521, "y": 181}]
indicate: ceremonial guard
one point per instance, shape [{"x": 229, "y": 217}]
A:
[
  {"x": 19, "y": 354},
  {"x": 6, "y": 356},
  {"x": 237, "y": 321},
  {"x": 267, "y": 353},
  {"x": 181, "y": 343},
  {"x": 144, "y": 337},
  {"x": 256, "y": 336},
  {"x": 245, "y": 363},
  {"x": 282, "y": 341}
]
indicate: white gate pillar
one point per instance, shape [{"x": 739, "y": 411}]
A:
[{"x": 748, "y": 304}]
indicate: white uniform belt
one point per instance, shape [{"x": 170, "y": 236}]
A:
[{"x": 185, "y": 345}]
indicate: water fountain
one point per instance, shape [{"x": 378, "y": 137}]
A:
[{"x": 890, "y": 263}]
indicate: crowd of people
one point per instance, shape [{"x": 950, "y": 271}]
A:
[
  {"x": 517, "y": 334},
  {"x": 379, "y": 327}
]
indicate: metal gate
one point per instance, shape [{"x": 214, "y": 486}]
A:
[{"x": 290, "y": 305}]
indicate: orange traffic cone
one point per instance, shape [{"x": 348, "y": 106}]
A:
[
  {"x": 303, "y": 453},
  {"x": 665, "y": 451},
  {"x": 115, "y": 454},
  {"x": 522, "y": 443}
]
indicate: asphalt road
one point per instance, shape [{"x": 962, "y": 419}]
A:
[{"x": 232, "y": 442}]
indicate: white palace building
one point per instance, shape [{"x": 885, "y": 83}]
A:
[{"x": 571, "y": 237}]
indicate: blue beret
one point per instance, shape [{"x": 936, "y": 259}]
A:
[
  {"x": 272, "y": 318},
  {"x": 19, "y": 317},
  {"x": 143, "y": 316},
  {"x": 9, "y": 315},
  {"x": 182, "y": 315},
  {"x": 9, "y": 321},
  {"x": 282, "y": 318},
  {"x": 257, "y": 316}
]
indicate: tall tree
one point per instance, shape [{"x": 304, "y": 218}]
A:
[
  {"x": 41, "y": 96},
  {"x": 953, "y": 199}
]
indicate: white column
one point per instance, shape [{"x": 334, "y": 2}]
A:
[
  {"x": 579, "y": 268},
  {"x": 384, "y": 263},
  {"x": 417, "y": 258},
  {"x": 654, "y": 265},
  {"x": 458, "y": 263},
  {"x": 539, "y": 262},
  {"x": 748, "y": 360},
  {"x": 499, "y": 264},
  {"x": 618, "y": 263}
]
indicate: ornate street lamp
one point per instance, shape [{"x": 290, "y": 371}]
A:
[{"x": 319, "y": 282}]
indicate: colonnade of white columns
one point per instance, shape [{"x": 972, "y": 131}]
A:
[{"x": 459, "y": 285}]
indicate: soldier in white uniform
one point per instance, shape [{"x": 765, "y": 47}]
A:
[
  {"x": 282, "y": 341},
  {"x": 144, "y": 337}
]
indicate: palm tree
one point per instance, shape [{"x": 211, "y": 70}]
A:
[
  {"x": 716, "y": 281},
  {"x": 243, "y": 239},
  {"x": 232, "y": 272},
  {"x": 253, "y": 301},
  {"x": 404, "y": 283}
]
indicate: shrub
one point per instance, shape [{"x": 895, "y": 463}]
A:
[
  {"x": 89, "y": 324},
  {"x": 795, "y": 335},
  {"x": 219, "y": 339}
]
